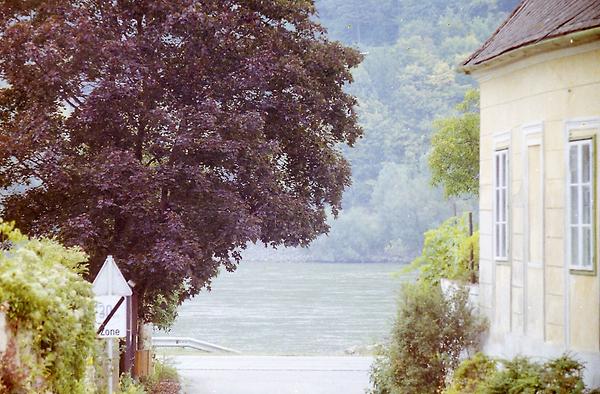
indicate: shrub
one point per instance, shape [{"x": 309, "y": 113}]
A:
[
  {"x": 480, "y": 375},
  {"x": 471, "y": 375},
  {"x": 50, "y": 309},
  {"x": 381, "y": 374},
  {"x": 430, "y": 333},
  {"x": 562, "y": 375},
  {"x": 127, "y": 385},
  {"x": 447, "y": 252},
  {"x": 163, "y": 379},
  {"x": 521, "y": 375}
]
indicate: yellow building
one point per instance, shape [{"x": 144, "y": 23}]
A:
[{"x": 539, "y": 76}]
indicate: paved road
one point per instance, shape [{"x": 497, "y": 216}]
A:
[{"x": 273, "y": 374}]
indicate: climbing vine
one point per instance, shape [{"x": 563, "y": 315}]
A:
[{"x": 50, "y": 311}]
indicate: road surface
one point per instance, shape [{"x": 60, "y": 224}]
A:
[{"x": 273, "y": 374}]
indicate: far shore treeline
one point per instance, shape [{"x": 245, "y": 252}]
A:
[{"x": 408, "y": 79}]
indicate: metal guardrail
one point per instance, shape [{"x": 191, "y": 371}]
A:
[{"x": 184, "y": 342}]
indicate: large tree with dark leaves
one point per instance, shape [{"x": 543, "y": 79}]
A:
[{"x": 171, "y": 133}]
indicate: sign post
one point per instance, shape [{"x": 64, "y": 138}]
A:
[{"x": 110, "y": 289}]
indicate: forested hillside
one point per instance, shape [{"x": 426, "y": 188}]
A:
[{"x": 408, "y": 78}]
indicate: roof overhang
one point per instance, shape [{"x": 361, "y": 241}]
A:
[{"x": 551, "y": 44}]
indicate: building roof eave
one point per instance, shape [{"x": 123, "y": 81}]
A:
[{"x": 563, "y": 41}]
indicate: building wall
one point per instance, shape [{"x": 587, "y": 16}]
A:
[{"x": 536, "y": 304}]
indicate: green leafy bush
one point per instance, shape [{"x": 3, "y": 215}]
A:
[
  {"x": 521, "y": 375},
  {"x": 163, "y": 379},
  {"x": 430, "y": 333},
  {"x": 50, "y": 309},
  {"x": 162, "y": 372},
  {"x": 447, "y": 252},
  {"x": 563, "y": 375},
  {"x": 127, "y": 385},
  {"x": 481, "y": 375},
  {"x": 471, "y": 375}
]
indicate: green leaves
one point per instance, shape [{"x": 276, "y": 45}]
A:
[
  {"x": 51, "y": 308},
  {"x": 521, "y": 375},
  {"x": 454, "y": 155},
  {"x": 471, "y": 374},
  {"x": 430, "y": 333},
  {"x": 482, "y": 375},
  {"x": 447, "y": 252}
]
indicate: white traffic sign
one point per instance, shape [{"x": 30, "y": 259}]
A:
[
  {"x": 110, "y": 280},
  {"x": 117, "y": 325},
  {"x": 109, "y": 287}
]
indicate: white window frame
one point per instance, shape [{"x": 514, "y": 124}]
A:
[
  {"x": 501, "y": 198},
  {"x": 581, "y": 129},
  {"x": 579, "y": 185}
]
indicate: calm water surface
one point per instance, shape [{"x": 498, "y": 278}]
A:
[{"x": 294, "y": 308}]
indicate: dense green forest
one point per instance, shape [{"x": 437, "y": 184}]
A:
[{"x": 408, "y": 79}]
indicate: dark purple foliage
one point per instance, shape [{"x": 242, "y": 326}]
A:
[{"x": 171, "y": 133}]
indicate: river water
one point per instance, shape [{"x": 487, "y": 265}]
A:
[{"x": 287, "y": 308}]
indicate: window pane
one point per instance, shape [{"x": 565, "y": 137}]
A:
[
  {"x": 503, "y": 206},
  {"x": 505, "y": 240},
  {"x": 497, "y": 205},
  {"x": 574, "y": 205},
  {"x": 581, "y": 200},
  {"x": 497, "y": 240},
  {"x": 502, "y": 240},
  {"x": 574, "y": 246},
  {"x": 587, "y": 204},
  {"x": 585, "y": 162},
  {"x": 587, "y": 247},
  {"x": 500, "y": 203},
  {"x": 504, "y": 171},
  {"x": 497, "y": 178},
  {"x": 573, "y": 163}
]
